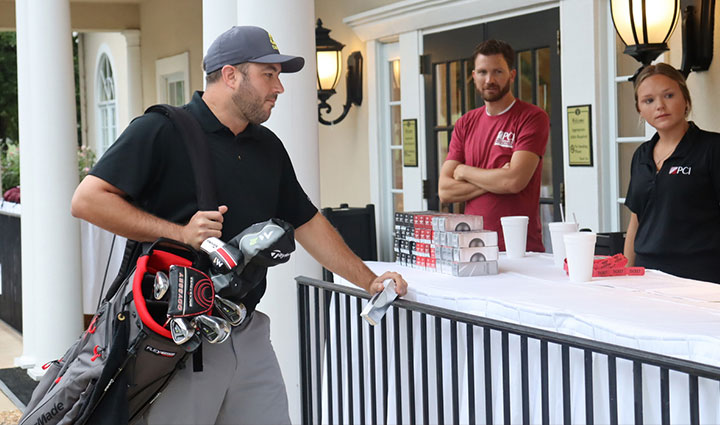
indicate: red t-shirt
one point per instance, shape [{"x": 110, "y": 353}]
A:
[{"x": 485, "y": 141}]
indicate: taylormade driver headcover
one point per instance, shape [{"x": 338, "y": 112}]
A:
[
  {"x": 265, "y": 244},
  {"x": 191, "y": 292},
  {"x": 261, "y": 245}
]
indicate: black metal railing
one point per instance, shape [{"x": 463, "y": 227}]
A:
[
  {"x": 10, "y": 271},
  {"x": 425, "y": 364}
]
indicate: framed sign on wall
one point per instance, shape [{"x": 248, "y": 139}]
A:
[
  {"x": 409, "y": 135},
  {"x": 579, "y": 121}
]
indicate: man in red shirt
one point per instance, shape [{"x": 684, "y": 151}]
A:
[{"x": 494, "y": 160}]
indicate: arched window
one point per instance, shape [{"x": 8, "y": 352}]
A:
[{"x": 106, "y": 103}]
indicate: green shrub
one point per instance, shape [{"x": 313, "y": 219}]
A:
[{"x": 10, "y": 167}]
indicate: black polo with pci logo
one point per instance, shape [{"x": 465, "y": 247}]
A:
[{"x": 678, "y": 207}]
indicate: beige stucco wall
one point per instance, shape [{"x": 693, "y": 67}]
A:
[
  {"x": 7, "y": 16},
  {"x": 168, "y": 28},
  {"x": 104, "y": 16},
  {"x": 94, "y": 45},
  {"x": 85, "y": 15},
  {"x": 344, "y": 155},
  {"x": 704, "y": 86}
]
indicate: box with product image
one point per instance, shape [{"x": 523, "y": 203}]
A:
[
  {"x": 472, "y": 255},
  {"x": 453, "y": 244},
  {"x": 456, "y": 222},
  {"x": 472, "y": 239},
  {"x": 472, "y": 268}
]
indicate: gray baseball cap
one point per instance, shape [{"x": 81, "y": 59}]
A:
[{"x": 242, "y": 44}]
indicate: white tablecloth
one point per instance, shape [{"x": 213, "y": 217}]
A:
[{"x": 657, "y": 313}]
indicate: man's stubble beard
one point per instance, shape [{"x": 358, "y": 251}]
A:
[
  {"x": 250, "y": 104},
  {"x": 500, "y": 94}
]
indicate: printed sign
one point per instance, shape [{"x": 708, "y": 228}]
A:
[
  {"x": 579, "y": 135},
  {"x": 409, "y": 131}
]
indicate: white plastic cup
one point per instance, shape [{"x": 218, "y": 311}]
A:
[
  {"x": 580, "y": 250},
  {"x": 515, "y": 234},
  {"x": 557, "y": 230}
]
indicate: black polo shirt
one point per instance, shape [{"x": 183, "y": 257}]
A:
[
  {"x": 254, "y": 175},
  {"x": 678, "y": 207}
]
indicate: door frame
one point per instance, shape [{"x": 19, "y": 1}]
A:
[
  {"x": 444, "y": 49},
  {"x": 584, "y": 34}
]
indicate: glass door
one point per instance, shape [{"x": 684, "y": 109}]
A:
[{"x": 450, "y": 93}]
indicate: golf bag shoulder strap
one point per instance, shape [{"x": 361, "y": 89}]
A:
[
  {"x": 133, "y": 249},
  {"x": 194, "y": 139},
  {"x": 196, "y": 145}
]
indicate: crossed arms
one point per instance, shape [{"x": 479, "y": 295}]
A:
[{"x": 460, "y": 182}]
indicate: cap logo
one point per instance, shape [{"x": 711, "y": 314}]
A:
[{"x": 274, "y": 46}]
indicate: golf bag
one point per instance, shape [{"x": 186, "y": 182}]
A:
[
  {"x": 124, "y": 359},
  {"x": 126, "y": 356}
]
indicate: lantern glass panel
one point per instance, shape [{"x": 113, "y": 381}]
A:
[
  {"x": 661, "y": 17},
  {"x": 329, "y": 66}
]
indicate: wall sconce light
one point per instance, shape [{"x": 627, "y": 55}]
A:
[
  {"x": 329, "y": 67},
  {"x": 645, "y": 27}
]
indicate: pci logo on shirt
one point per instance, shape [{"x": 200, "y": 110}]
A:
[
  {"x": 680, "y": 170},
  {"x": 505, "y": 139}
]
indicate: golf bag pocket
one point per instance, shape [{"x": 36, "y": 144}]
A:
[
  {"x": 155, "y": 364},
  {"x": 62, "y": 394},
  {"x": 80, "y": 405},
  {"x": 51, "y": 373},
  {"x": 122, "y": 361}
]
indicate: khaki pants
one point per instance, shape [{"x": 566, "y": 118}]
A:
[{"x": 240, "y": 383}]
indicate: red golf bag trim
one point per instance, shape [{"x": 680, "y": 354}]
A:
[{"x": 156, "y": 260}]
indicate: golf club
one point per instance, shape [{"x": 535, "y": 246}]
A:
[
  {"x": 232, "y": 312},
  {"x": 181, "y": 330},
  {"x": 214, "y": 329},
  {"x": 161, "y": 285},
  {"x": 191, "y": 292},
  {"x": 223, "y": 257}
]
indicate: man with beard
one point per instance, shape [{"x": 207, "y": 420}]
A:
[
  {"x": 494, "y": 159},
  {"x": 143, "y": 188}
]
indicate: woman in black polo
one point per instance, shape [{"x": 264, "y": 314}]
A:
[{"x": 674, "y": 188}]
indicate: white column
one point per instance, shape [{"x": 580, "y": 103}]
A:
[
  {"x": 218, "y": 17},
  {"x": 51, "y": 251},
  {"x": 583, "y": 32},
  {"x": 410, "y": 84},
  {"x": 31, "y": 340},
  {"x": 134, "y": 73},
  {"x": 294, "y": 120}
]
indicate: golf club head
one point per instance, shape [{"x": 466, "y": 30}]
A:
[
  {"x": 214, "y": 329},
  {"x": 223, "y": 257},
  {"x": 232, "y": 312},
  {"x": 191, "y": 292},
  {"x": 181, "y": 330},
  {"x": 161, "y": 285}
]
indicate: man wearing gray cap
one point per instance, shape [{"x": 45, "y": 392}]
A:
[{"x": 142, "y": 189}]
